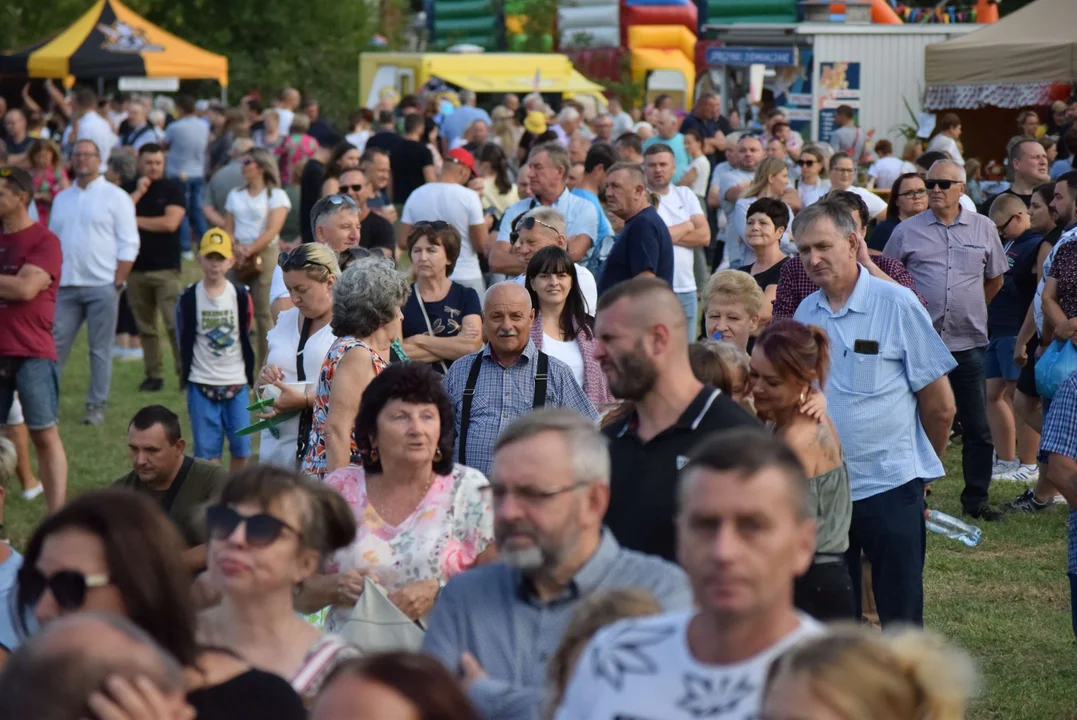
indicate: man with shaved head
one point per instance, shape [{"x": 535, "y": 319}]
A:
[
  {"x": 639, "y": 342},
  {"x": 507, "y": 378},
  {"x": 957, "y": 260}
]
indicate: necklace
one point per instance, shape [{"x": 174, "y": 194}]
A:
[{"x": 396, "y": 513}]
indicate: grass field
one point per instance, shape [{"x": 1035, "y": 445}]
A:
[{"x": 1006, "y": 601}]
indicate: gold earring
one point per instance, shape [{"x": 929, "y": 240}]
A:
[
  {"x": 803, "y": 396},
  {"x": 437, "y": 455},
  {"x": 373, "y": 454}
]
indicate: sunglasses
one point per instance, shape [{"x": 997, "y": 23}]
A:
[
  {"x": 1002, "y": 228},
  {"x": 339, "y": 199},
  {"x": 294, "y": 260},
  {"x": 528, "y": 223},
  {"x": 68, "y": 586},
  {"x": 261, "y": 529},
  {"x": 432, "y": 224},
  {"x": 351, "y": 188},
  {"x": 941, "y": 184},
  {"x": 805, "y": 163}
]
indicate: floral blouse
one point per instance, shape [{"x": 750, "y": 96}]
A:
[
  {"x": 314, "y": 462},
  {"x": 444, "y": 535}
]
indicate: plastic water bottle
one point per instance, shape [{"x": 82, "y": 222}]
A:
[
  {"x": 716, "y": 335},
  {"x": 953, "y": 528}
]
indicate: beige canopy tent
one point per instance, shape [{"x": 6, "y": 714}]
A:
[{"x": 1011, "y": 63}]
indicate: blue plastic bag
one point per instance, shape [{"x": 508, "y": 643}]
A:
[{"x": 1057, "y": 363}]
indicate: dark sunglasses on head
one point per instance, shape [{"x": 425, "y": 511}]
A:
[
  {"x": 805, "y": 163},
  {"x": 432, "y": 224},
  {"x": 529, "y": 222},
  {"x": 941, "y": 184},
  {"x": 294, "y": 260},
  {"x": 68, "y": 586},
  {"x": 351, "y": 188},
  {"x": 261, "y": 529}
]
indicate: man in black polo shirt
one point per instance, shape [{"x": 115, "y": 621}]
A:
[
  {"x": 639, "y": 343},
  {"x": 183, "y": 485},
  {"x": 154, "y": 283},
  {"x": 707, "y": 120}
]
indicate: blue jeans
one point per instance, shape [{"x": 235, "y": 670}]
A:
[
  {"x": 691, "y": 310},
  {"x": 977, "y": 450},
  {"x": 211, "y": 421},
  {"x": 96, "y": 306},
  {"x": 194, "y": 220},
  {"x": 38, "y": 383}
]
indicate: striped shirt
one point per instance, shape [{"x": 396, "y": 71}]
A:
[
  {"x": 1060, "y": 437},
  {"x": 492, "y": 613},
  {"x": 504, "y": 394},
  {"x": 949, "y": 263},
  {"x": 872, "y": 398}
]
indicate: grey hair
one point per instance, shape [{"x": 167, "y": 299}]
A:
[
  {"x": 467, "y": 96},
  {"x": 556, "y": 152},
  {"x": 940, "y": 164},
  {"x": 550, "y": 216},
  {"x": 503, "y": 283},
  {"x": 837, "y": 214},
  {"x": 367, "y": 297},
  {"x": 586, "y": 446},
  {"x": 325, "y": 209},
  {"x": 124, "y": 164},
  {"x": 241, "y": 146},
  {"x": 569, "y": 114}
]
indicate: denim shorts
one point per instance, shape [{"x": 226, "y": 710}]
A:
[
  {"x": 38, "y": 383},
  {"x": 998, "y": 359},
  {"x": 211, "y": 421}
]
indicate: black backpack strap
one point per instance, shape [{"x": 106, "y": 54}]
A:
[
  {"x": 542, "y": 371},
  {"x": 177, "y": 484},
  {"x": 306, "y": 417},
  {"x": 465, "y": 410}
]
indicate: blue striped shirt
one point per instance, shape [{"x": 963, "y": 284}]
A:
[
  {"x": 872, "y": 398},
  {"x": 504, "y": 394},
  {"x": 490, "y": 612}
]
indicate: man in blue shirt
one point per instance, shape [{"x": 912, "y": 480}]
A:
[
  {"x": 890, "y": 399},
  {"x": 498, "y": 625},
  {"x": 187, "y": 139},
  {"x": 454, "y": 125},
  {"x": 491, "y": 388},
  {"x": 644, "y": 246},
  {"x": 668, "y": 134},
  {"x": 600, "y": 158}
]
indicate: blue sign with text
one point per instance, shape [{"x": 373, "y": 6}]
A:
[{"x": 743, "y": 56}]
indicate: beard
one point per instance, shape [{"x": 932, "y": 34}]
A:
[{"x": 632, "y": 375}]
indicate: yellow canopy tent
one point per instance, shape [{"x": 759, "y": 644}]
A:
[{"x": 112, "y": 41}]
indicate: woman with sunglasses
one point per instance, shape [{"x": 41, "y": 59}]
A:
[
  {"x": 442, "y": 318},
  {"x": 812, "y": 183},
  {"x": 421, "y": 518},
  {"x": 254, "y": 216},
  {"x": 908, "y": 197},
  {"x": 366, "y": 320},
  {"x": 115, "y": 551},
  {"x": 343, "y": 156},
  {"x": 268, "y": 536},
  {"x": 562, "y": 328},
  {"x": 302, "y": 333}
]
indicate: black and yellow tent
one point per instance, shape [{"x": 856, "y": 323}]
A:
[{"x": 112, "y": 41}]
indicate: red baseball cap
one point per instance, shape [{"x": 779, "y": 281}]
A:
[{"x": 463, "y": 157}]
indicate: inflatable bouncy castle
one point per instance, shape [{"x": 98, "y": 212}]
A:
[{"x": 661, "y": 38}]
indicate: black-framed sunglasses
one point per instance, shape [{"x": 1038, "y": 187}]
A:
[
  {"x": 1002, "y": 228},
  {"x": 431, "y": 224},
  {"x": 295, "y": 260},
  {"x": 69, "y": 587},
  {"x": 805, "y": 163},
  {"x": 941, "y": 184},
  {"x": 528, "y": 223},
  {"x": 261, "y": 529},
  {"x": 352, "y": 188},
  {"x": 340, "y": 199}
]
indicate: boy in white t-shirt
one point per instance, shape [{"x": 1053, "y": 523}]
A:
[{"x": 213, "y": 324}]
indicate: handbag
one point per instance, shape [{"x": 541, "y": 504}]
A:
[
  {"x": 429, "y": 328},
  {"x": 376, "y": 625},
  {"x": 250, "y": 269}
]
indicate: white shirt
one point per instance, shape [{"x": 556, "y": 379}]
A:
[
  {"x": 286, "y": 117},
  {"x": 96, "y": 128},
  {"x": 97, "y": 230},
  {"x": 887, "y": 170},
  {"x": 643, "y": 668},
  {"x": 588, "y": 288},
  {"x": 218, "y": 355},
  {"x": 277, "y": 288},
  {"x": 703, "y": 171},
  {"x": 568, "y": 353},
  {"x": 283, "y": 341},
  {"x": 679, "y": 205},
  {"x": 358, "y": 139},
  {"x": 946, "y": 144},
  {"x": 457, "y": 205},
  {"x": 968, "y": 204},
  {"x": 811, "y": 194},
  {"x": 251, "y": 213},
  {"x": 875, "y": 203}
]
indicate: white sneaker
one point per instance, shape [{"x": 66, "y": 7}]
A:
[
  {"x": 1003, "y": 468},
  {"x": 1023, "y": 473},
  {"x": 1059, "y": 500},
  {"x": 33, "y": 492}
]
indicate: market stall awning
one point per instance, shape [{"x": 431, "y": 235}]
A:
[
  {"x": 112, "y": 41},
  {"x": 1009, "y": 63}
]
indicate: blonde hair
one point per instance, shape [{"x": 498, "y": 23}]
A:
[
  {"x": 719, "y": 364},
  {"x": 768, "y": 168},
  {"x": 595, "y": 612},
  {"x": 1005, "y": 205},
  {"x": 857, "y": 673},
  {"x": 300, "y": 124},
  {"x": 735, "y": 285},
  {"x": 320, "y": 262}
]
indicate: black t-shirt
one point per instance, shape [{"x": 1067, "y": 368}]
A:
[
  {"x": 376, "y": 232},
  {"x": 446, "y": 315},
  {"x": 253, "y": 695},
  {"x": 708, "y": 129},
  {"x": 1008, "y": 308},
  {"x": 310, "y": 190},
  {"x": 768, "y": 277},
  {"x": 644, "y": 244},
  {"x": 387, "y": 140},
  {"x": 643, "y": 479},
  {"x": 1026, "y": 199},
  {"x": 159, "y": 250},
  {"x": 19, "y": 148},
  {"x": 407, "y": 162}
]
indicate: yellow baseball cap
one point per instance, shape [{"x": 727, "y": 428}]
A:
[
  {"x": 217, "y": 241},
  {"x": 535, "y": 122}
]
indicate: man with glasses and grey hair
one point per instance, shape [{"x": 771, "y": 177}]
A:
[
  {"x": 498, "y": 625},
  {"x": 541, "y": 227},
  {"x": 335, "y": 220}
]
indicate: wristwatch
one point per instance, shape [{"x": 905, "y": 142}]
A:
[{"x": 121, "y": 286}]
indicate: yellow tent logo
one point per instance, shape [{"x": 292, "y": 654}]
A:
[{"x": 123, "y": 38}]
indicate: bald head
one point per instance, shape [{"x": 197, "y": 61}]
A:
[
  {"x": 947, "y": 170},
  {"x": 506, "y": 320},
  {"x": 651, "y": 301},
  {"x": 506, "y": 292}
]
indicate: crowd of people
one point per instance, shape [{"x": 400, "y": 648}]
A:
[{"x": 558, "y": 414}]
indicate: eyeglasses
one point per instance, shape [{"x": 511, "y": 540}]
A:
[
  {"x": 843, "y": 170},
  {"x": 261, "y": 529},
  {"x": 528, "y": 495},
  {"x": 68, "y": 586},
  {"x": 351, "y": 188},
  {"x": 1002, "y": 228},
  {"x": 941, "y": 184},
  {"x": 918, "y": 192},
  {"x": 805, "y": 163}
]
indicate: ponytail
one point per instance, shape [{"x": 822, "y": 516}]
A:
[
  {"x": 338, "y": 524},
  {"x": 822, "y": 354}
]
